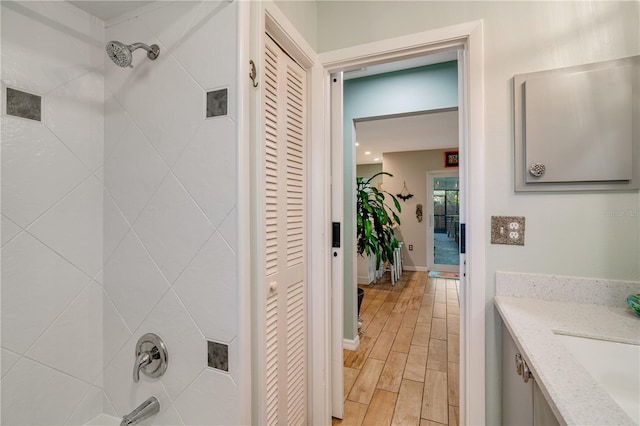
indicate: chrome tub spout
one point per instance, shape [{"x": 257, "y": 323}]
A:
[{"x": 145, "y": 410}]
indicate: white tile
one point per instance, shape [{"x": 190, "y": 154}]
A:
[
  {"x": 115, "y": 225},
  {"x": 168, "y": 417},
  {"x": 229, "y": 229},
  {"x": 208, "y": 288},
  {"x": 33, "y": 394},
  {"x": 133, "y": 172},
  {"x": 89, "y": 408},
  {"x": 133, "y": 281},
  {"x": 9, "y": 359},
  {"x": 123, "y": 393},
  {"x": 234, "y": 358},
  {"x": 9, "y": 229},
  {"x": 172, "y": 228},
  {"x": 73, "y": 344},
  {"x": 116, "y": 122},
  {"x": 215, "y": 66},
  {"x": 37, "y": 284},
  {"x": 160, "y": 96},
  {"x": 99, "y": 174},
  {"x": 169, "y": 117},
  {"x": 208, "y": 168},
  {"x": 186, "y": 345},
  {"x": 99, "y": 380},
  {"x": 211, "y": 400},
  {"x": 37, "y": 169},
  {"x": 73, "y": 227},
  {"x": 74, "y": 112},
  {"x": 44, "y": 45},
  {"x": 169, "y": 23},
  {"x": 107, "y": 407},
  {"x": 116, "y": 332}
]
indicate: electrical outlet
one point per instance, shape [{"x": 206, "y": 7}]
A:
[
  {"x": 410, "y": 247},
  {"x": 507, "y": 230}
]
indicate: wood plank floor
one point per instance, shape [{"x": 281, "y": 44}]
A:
[{"x": 406, "y": 370}]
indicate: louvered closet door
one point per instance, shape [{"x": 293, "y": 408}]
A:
[{"x": 284, "y": 212}]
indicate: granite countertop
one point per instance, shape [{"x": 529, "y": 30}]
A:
[{"x": 574, "y": 396}]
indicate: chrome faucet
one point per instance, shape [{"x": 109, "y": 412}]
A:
[
  {"x": 151, "y": 357},
  {"x": 145, "y": 410}
]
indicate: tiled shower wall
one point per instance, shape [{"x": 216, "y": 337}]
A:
[
  {"x": 52, "y": 213},
  {"x": 170, "y": 175},
  {"x": 118, "y": 214}
]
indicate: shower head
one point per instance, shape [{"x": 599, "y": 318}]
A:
[{"x": 121, "y": 54}]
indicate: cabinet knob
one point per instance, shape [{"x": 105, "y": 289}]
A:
[
  {"x": 526, "y": 373},
  {"x": 519, "y": 364},
  {"x": 537, "y": 169}
]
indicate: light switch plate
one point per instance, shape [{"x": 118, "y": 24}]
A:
[{"x": 507, "y": 230}]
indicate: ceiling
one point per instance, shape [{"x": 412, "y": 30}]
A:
[
  {"x": 106, "y": 10},
  {"x": 416, "y": 132}
]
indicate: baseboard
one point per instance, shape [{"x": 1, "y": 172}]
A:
[
  {"x": 352, "y": 345},
  {"x": 415, "y": 268},
  {"x": 364, "y": 280}
]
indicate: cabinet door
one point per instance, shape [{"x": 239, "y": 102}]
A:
[
  {"x": 542, "y": 414},
  {"x": 580, "y": 125},
  {"x": 517, "y": 396}
]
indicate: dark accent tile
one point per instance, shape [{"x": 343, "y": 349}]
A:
[
  {"x": 24, "y": 105},
  {"x": 218, "y": 355},
  {"x": 217, "y": 103}
]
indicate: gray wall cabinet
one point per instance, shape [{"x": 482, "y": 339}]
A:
[{"x": 578, "y": 128}]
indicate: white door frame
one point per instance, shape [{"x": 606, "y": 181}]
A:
[
  {"x": 337, "y": 260},
  {"x": 431, "y": 265},
  {"x": 255, "y": 18},
  {"x": 252, "y": 19},
  {"x": 468, "y": 38}
]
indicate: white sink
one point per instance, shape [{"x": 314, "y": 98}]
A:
[{"x": 614, "y": 366}]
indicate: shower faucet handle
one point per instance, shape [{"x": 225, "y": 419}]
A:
[
  {"x": 142, "y": 361},
  {"x": 151, "y": 357}
]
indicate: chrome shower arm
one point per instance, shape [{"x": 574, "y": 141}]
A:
[
  {"x": 152, "y": 51},
  {"x": 136, "y": 46}
]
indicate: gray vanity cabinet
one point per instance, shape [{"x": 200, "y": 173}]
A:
[{"x": 523, "y": 403}]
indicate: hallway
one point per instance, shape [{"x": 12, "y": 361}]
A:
[{"x": 406, "y": 370}]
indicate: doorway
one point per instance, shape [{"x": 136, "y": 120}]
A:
[
  {"x": 443, "y": 229},
  {"x": 467, "y": 40}
]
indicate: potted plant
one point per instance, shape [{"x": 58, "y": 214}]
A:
[{"x": 375, "y": 220}]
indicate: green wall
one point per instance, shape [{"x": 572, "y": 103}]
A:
[{"x": 417, "y": 89}]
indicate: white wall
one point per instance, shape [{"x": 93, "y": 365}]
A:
[
  {"x": 171, "y": 178},
  {"x": 303, "y": 15},
  {"x": 586, "y": 234},
  {"x": 412, "y": 167},
  {"x": 52, "y": 213}
]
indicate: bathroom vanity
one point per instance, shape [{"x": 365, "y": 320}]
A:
[{"x": 580, "y": 349}]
